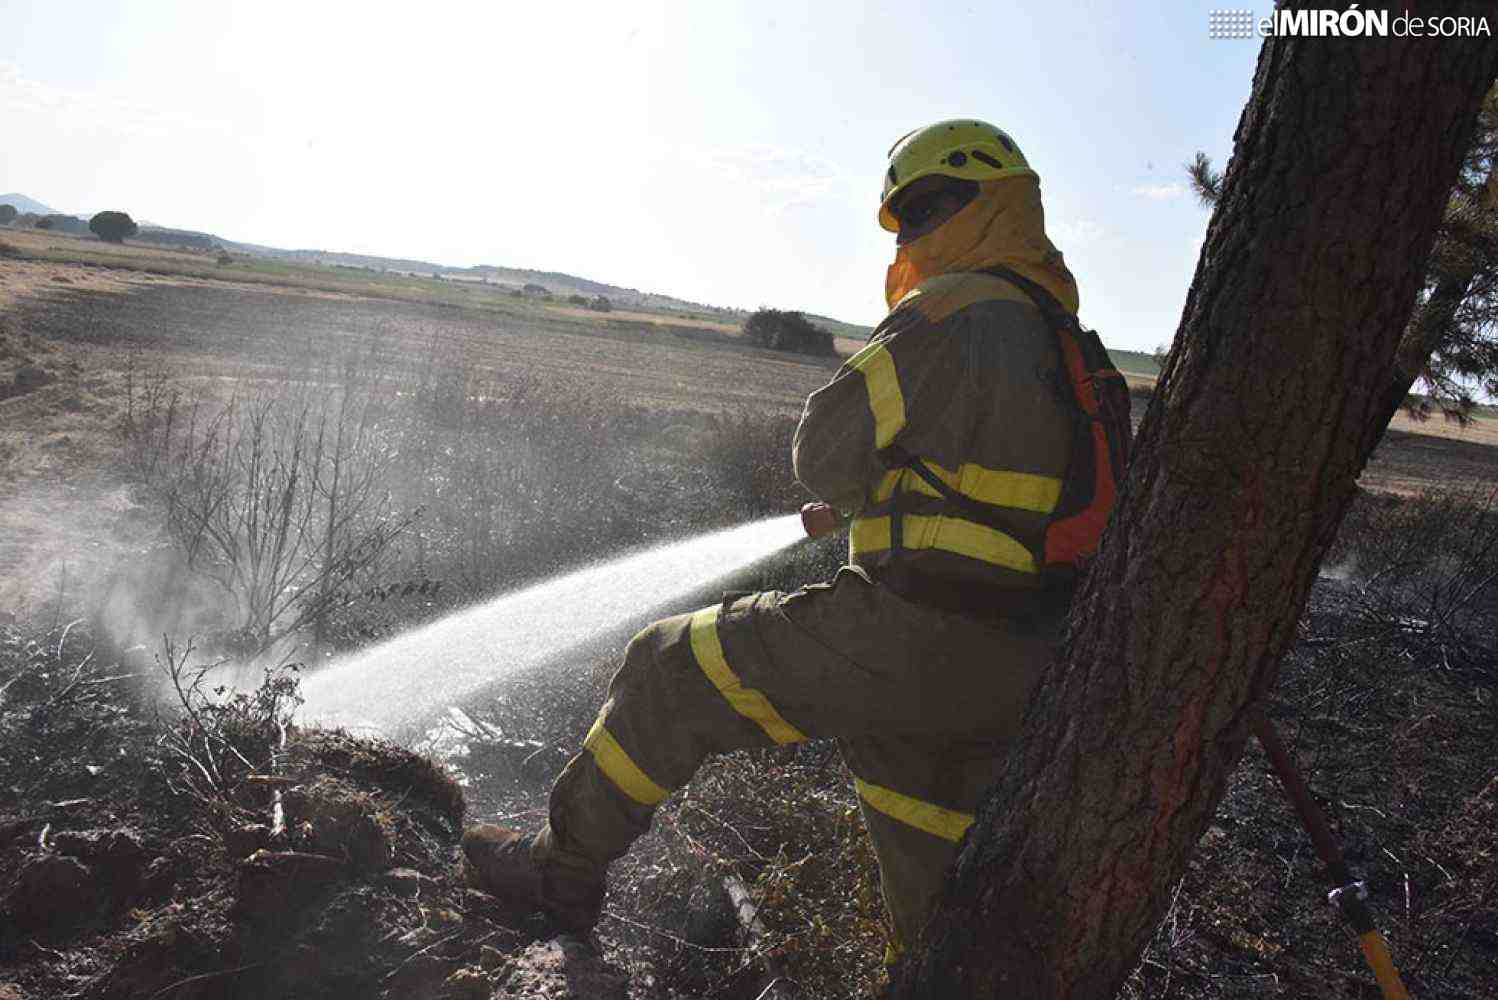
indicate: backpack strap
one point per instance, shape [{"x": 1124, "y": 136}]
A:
[{"x": 1055, "y": 313}]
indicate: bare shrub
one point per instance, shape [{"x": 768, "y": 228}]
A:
[
  {"x": 220, "y": 737},
  {"x": 750, "y": 457},
  {"x": 518, "y": 475},
  {"x": 1423, "y": 575},
  {"x": 300, "y": 503},
  {"x": 786, "y": 824},
  {"x": 281, "y": 506}
]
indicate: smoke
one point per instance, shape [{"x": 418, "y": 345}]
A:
[{"x": 1342, "y": 571}]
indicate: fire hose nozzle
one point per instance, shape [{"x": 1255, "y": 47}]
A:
[{"x": 820, "y": 519}]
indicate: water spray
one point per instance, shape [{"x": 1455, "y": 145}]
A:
[{"x": 419, "y": 673}]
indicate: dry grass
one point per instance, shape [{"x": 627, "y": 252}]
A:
[
  {"x": 1482, "y": 430},
  {"x": 632, "y": 316}
]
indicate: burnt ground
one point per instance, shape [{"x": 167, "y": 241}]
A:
[
  {"x": 326, "y": 870},
  {"x": 122, "y": 876}
]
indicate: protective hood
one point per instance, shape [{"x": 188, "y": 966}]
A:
[{"x": 1003, "y": 224}]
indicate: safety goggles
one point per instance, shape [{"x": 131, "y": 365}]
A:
[{"x": 917, "y": 211}]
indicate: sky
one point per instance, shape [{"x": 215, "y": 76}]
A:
[{"x": 722, "y": 151}]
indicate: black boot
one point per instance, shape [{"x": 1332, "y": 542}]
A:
[{"x": 528, "y": 867}]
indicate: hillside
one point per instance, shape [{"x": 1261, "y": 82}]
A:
[
  {"x": 559, "y": 283},
  {"x": 24, "y": 204}
]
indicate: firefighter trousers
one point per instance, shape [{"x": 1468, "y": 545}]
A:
[{"x": 923, "y": 703}]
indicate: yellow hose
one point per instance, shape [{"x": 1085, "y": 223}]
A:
[{"x": 1376, "y": 951}]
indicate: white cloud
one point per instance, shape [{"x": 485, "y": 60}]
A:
[
  {"x": 777, "y": 177},
  {"x": 1074, "y": 232},
  {"x": 1160, "y": 192},
  {"x": 73, "y": 108}
]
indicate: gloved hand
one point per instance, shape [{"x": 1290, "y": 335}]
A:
[{"x": 819, "y": 519}]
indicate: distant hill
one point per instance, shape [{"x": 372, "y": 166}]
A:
[
  {"x": 557, "y": 282},
  {"x": 24, "y": 204},
  {"x": 1136, "y": 362}
]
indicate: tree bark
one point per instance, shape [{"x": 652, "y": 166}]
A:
[{"x": 1243, "y": 468}]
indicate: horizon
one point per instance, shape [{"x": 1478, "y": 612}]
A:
[{"x": 729, "y": 156}]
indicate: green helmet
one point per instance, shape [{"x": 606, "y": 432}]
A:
[{"x": 962, "y": 147}]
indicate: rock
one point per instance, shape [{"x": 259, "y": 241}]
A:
[
  {"x": 468, "y": 983},
  {"x": 116, "y": 845},
  {"x": 242, "y": 841},
  {"x": 564, "y": 968},
  {"x": 272, "y": 882},
  {"x": 53, "y": 891},
  {"x": 29, "y": 377},
  {"x": 10, "y": 991},
  {"x": 117, "y": 856}
]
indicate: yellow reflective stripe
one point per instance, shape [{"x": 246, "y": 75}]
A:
[
  {"x": 748, "y": 702},
  {"x": 936, "y": 820},
  {"x": 618, "y": 768},
  {"x": 1000, "y": 487},
  {"x": 949, "y": 534},
  {"x": 886, "y": 401}
]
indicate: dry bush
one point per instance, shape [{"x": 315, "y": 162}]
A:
[
  {"x": 300, "y": 503},
  {"x": 785, "y": 823},
  {"x": 1422, "y": 575},
  {"x": 516, "y": 476},
  {"x": 280, "y": 504},
  {"x": 750, "y": 456},
  {"x": 220, "y": 737}
]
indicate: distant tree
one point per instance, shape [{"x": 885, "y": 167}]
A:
[
  {"x": 8, "y": 214},
  {"x": 1451, "y": 342},
  {"x": 113, "y": 227},
  {"x": 578, "y": 300},
  {"x": 600, "y": 303},
  {"x": 57, "y": 222},
  {"x": 787, "y": 330},
  {"x": 538, "y": 290}
]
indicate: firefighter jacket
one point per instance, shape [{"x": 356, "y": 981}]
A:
[{"x": 963, "y": 374}]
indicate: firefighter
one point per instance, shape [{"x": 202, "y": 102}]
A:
[{"x": 919, "y": 656}]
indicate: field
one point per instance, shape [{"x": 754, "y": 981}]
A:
[
  {"x": 483, "y": 441},
  {"x": 99, "y": 328}
]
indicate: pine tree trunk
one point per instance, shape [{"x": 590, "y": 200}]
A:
[{"x": 1244, "y": 466}]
